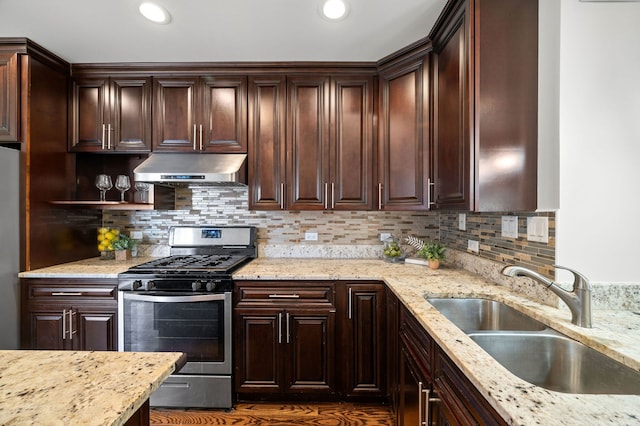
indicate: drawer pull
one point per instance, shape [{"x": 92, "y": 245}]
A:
[
  {"x": 284, "y": 296},
  {"x": 66, "y": 293}
]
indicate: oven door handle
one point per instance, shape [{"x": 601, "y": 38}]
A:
[{"x": 168, "y": 298}]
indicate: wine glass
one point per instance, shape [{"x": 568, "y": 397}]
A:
[
  {"x": 103, "y": 183},
  {"x": 143, "y": 189},
  {"x": 122, "y": 184}
]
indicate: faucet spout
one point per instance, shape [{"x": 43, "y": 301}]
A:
[{"x": 578, "y": 299}]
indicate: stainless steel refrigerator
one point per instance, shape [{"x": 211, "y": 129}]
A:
[{"x": 9, "y": 247}]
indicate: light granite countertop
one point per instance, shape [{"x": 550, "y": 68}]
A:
[
  {"x": 79, "y": 388},
  {"x": 614, "y": 333}
]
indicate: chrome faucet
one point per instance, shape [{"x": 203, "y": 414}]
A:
[{"x": 578, "y": 300}]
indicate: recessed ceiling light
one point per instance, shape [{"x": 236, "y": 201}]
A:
[
  {"x": 334, "y": 10},
  {"x": 155, "y": 13}
]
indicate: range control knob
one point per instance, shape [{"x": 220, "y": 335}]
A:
[
  {"x": 196, "y": 285},
  {"x": 136, "y": 284},
  {"x": 211, "y": 285},
  {"x": 149, "y": 285}
]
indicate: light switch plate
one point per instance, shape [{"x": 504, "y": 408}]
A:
[
  {"x": 462, "y": 221},
  {"x": 473, "y": 246},
  {"x": 136, "y": 235},
  {"x": 510, "y": 226},
  {"x": 538, "y": 229}
]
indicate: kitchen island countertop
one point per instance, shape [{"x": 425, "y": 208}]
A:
[
  {"x": 614, "y": 333},
  {"x": 79, "y": 388}
]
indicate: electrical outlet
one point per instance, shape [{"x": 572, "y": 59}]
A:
[
  {"x": 384, "y": 236},
  {"x": 462, "y": 221},
  {"x": 473, "y": 246},
  {"x": 136, "y": 235},
  {"x": 311, "y": 236}
]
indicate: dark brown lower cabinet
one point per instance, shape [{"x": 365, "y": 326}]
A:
[
  {"x": 284, "y": 340},
  {"x": 310, "y": 340},
  {"x": 432, "y": 389},
  {"x": 68, "y": 314},
  {"x": 361, "y": 351}
]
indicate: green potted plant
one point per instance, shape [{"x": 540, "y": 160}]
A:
[
  {"x": 434, "y": 252},
  {"x": 122, "y": 246}
]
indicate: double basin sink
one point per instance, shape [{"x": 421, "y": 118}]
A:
[{"x": 536, "y": 353}]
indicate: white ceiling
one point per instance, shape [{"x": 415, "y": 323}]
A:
[{"x": 88, "y": 31}]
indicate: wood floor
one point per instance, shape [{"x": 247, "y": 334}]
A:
[{"x": 279, "y": 414}]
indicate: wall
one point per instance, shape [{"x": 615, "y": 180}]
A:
[{"x": 599, "y": 140}]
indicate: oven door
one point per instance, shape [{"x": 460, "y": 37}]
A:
[{"x": 196, "y": 324}]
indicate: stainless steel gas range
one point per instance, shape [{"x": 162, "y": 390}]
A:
[{"x": 182, "y": 303}]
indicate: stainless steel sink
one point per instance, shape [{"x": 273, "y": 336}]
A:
[
  {"x": 553, "y": 361},
  {"x": 535, "y": 352},
  {"x": 471, "y": 314}
]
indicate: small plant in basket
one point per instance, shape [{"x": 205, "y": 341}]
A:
[{"x": 434, "y": 252}]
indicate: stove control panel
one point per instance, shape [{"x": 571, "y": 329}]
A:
[{"x": 184, "y": 284}]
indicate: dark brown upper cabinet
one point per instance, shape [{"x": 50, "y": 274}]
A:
[
  {"x": 403, "y": 142},
  {"x": 485, "y": 98},
  {"x": 267, "y": 100},
  {"x": 111, "y": 114},
  {"x": 329, "y": 143},
  {"x": 202, "y": 114},
  {"x": 9, "y": 97}
]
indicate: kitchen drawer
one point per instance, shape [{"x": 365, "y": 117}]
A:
[
  {"x": 279, "y": 293},
  {"x": 50, "y": 289}
]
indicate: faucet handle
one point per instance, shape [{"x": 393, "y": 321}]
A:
[{"x": 579, "y": 281}]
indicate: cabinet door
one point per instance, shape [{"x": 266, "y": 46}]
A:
[
  {"x": 90, "y": 131},
  {"x": 96, "y": 331},
  {"x": 403, "y": 168},
  {"x": 267, "y": 178},
  {"x": 310, "y": 336},
  {"x": 224, "y": 114},
  {"x": 46, "y": 329},
  {"x": 174, "y": 114},
  {"x": 365, "y": 345},
  {"x": 131, "y": 114},
  {"x": 308, "y": 143},
  {"x": 9, "y": 96},
  {"x": 258, "y": 351},
  {"x": 351, "y": 143},
  {"x": 451, "y": 116}
]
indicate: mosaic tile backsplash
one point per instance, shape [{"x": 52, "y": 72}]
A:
[{"x": 340, "y": 234}]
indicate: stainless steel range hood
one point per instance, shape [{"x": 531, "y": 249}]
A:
[{"x": 176, "y": 168}]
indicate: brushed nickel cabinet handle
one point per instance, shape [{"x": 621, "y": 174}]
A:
[
  {"x": 288, "y": 329},
  {"x": 195, "y": 147},
  {"x": 333, "y": 198},
  {"x": 284, "y": 296},
  {"x": 109, "y": 137},
  {"x": 66, "y": 293},
  {"x": 201, "y": 138},
  {"x": 71, "y": 330},
  {"x": 350, "y": 301},
  {"x": 280, "y": 327},
  {"x": 429, "y": 186},
  {"x": 64, "y": 324},
  {"x": 379, "y": 196},
  {"x": 104, "y": 131},
  {"x": 326, "y": 201},
  {"x": 282, "y": 196}
]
